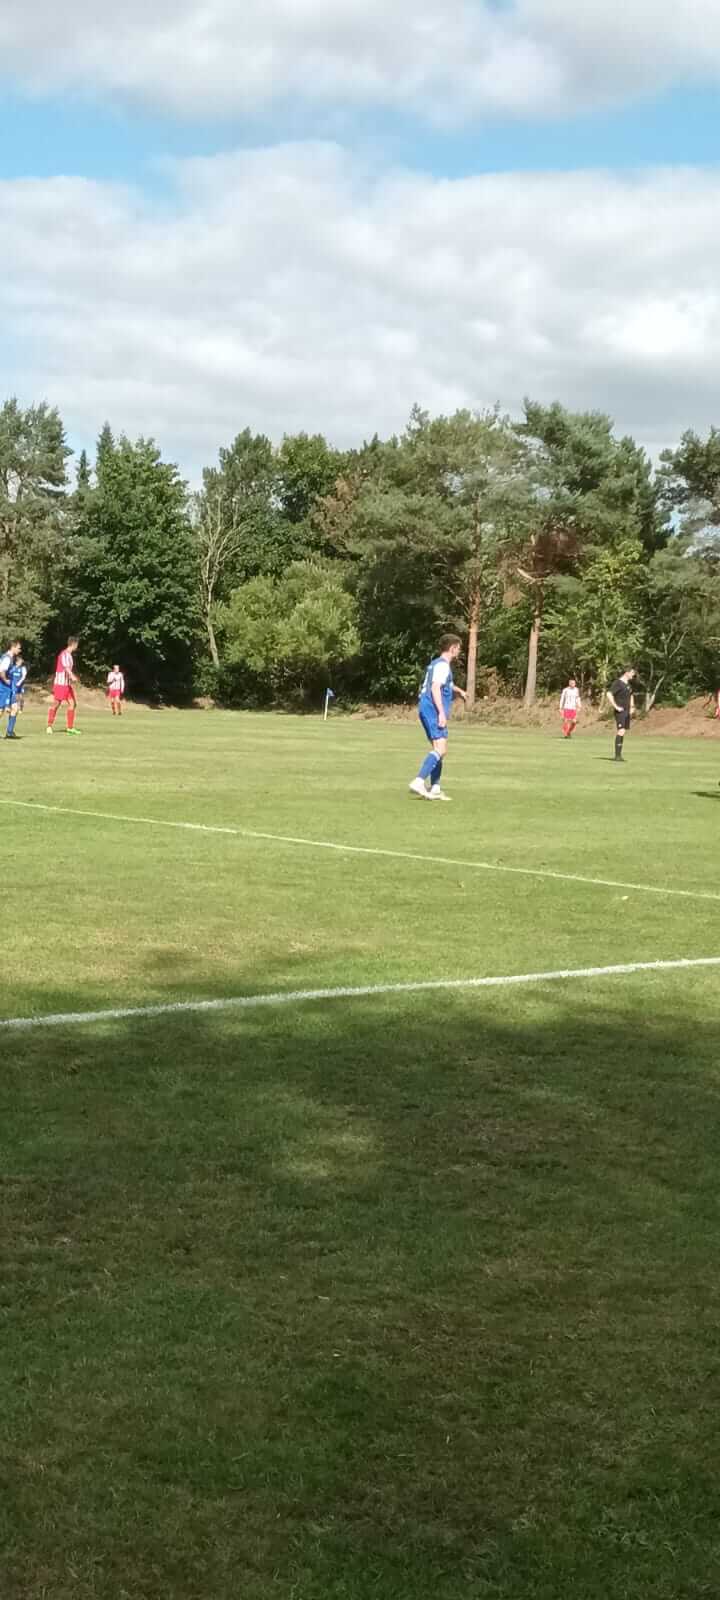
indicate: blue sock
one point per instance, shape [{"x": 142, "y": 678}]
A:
[
  {"x": 428, "y": 765},
  {"x": 436, "y": 773},
  {"x": 11, "y": 722}
]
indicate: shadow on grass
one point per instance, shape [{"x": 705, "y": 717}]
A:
[{"x": 398, "y": 1298}]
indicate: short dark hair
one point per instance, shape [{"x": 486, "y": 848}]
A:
[
  {"x": 73, "y": 639},
  {"x": 447, "y": 641},
  {"x": 627, "y": 669}
]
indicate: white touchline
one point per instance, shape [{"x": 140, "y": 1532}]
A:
[
  {"x": 367, "y": 850},
  {"x": 250, "y": 1002}
]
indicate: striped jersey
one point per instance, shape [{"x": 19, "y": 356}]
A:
[
  {"x": 570, "y": 700},
  {"x": 63, "y": 669},
  {"x": 116, "y": 683}
]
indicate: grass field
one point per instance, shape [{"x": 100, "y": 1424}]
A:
[{"x": 409, "y": 1296}]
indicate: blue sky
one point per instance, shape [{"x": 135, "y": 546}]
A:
[
  {"x": 302, "y": 216},
  {"x": 72, "y": 135}
]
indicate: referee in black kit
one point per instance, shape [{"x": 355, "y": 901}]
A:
[{"x": 620, "y": 697}]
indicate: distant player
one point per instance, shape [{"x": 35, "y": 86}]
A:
[
  {"x": 8, "y": 701},
  {"x": 434, "y": 709},
  {"x": 115, "y": 691},
  {"x": 19, "y": 678},
  {"x": 64, "y": 688},
  {"x": 620, "y": 697},
  {"x": 570, "y": 704}
]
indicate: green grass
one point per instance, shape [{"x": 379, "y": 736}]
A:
[{"x": 399, "y": 1298}]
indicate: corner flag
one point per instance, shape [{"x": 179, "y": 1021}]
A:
[{"x": 329, "y": 695}]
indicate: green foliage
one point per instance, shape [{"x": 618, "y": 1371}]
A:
[
  {"x": 690, "y": 477},
  {"x": 596, "y": 626},
  {"x": 307, "y": 468},
  {"x": 33, "y": 456},
  {"x": 134, "y": 591},
  {"x": 291, "y": 631},
  {"x": 549, "y": 544},
  {"x": 591, "y": 491}
]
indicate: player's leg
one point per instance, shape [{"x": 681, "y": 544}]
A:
[
  {"x": 620, "y": 725},
  {"x": 70, "y": 709},
  {"x": 12, "y": 719},
  {"x": 439, "y": 752},
  {"x": 427, "y": 767}
]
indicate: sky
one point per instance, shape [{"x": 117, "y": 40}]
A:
[{"x": 310, "y": 214}]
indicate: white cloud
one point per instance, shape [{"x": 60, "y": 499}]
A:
[
  {"x": 447, "y": 59},
  {"x": 291, "y": 287}
]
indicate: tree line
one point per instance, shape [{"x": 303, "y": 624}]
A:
[{"x": 551, "y": 544}]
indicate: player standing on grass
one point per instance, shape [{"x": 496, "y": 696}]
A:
[
  {"x": 570, "y": 704},
  {"x": 7, "y": 686},
  {"x": 64, "y": 688},
  {"x": 434, "y": 710},
  {"x": 620, "y": 697},
  {"x": 19, "y": 676},
  {"x": 115, "y": 690}
]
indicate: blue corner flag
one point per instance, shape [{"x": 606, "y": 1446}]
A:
[{"x": 329, "y": 695}]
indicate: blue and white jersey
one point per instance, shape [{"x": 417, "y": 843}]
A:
[
  {"x": 17, "y": 679},
  {"x": 7, "y": 663},
  {"x": 438, "y": 675}
]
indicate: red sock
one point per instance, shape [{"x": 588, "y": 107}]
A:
[
  {"x": 52, "y": 713},
  {"x": 70, "y": 714}
]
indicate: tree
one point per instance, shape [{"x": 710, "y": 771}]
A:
[
  {"x": 307, "y": 469},
  {"x": 600, "y": 627},
  {"x": 33, "y": 456},
  {"x": 82, "y": 475},
  {"x": 690, "y": 480},
  {"x": 290, "y": 632},
  {"x": 238, "y": 524},
  {"x": 681, "y": 594},
  {"x": 429, "y": 525},
  {"x": 590, "y": 490},
  {"x": 105, "y": 450},
  {"x": 476, "y": 465},
  {"x": 135, "y": 589}
]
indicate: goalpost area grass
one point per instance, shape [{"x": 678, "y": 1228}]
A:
[{"x": 410, "y": 1297}]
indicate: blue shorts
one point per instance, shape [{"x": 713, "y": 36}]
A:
[
  {"x": 429, "y": 720},
  {"x": 7, "y": 698}
]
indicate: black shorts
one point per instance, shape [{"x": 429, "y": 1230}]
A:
[{"x": 622, "y": 721}]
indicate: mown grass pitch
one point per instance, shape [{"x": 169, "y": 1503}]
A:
[{"x": 409, "y": 1297}]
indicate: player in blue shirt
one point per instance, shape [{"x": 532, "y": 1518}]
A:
[
  {"x": 7, "y": 686},
  {"x": 434, "y": 710},
  {"x": 18, "y": 677}
]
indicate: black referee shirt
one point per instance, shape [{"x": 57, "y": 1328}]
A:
[{"x": 622, "y": 693}]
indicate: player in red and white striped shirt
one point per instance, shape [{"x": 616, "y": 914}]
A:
[
  {"x": 570, "y": 704},
  {"x": 115, "y": 690},
  {"x": 64, "y": 688}
]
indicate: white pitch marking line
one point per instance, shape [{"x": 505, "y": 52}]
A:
[
  {"x": 368, "y": 850},
  {"x": 251, "y": 1002},
  {"x": 299, "y": 996}
]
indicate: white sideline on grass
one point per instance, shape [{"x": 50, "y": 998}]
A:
[
  {"x": 250, "y": 1002},
  {"x": 367, "y": 850}
]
